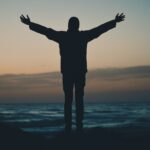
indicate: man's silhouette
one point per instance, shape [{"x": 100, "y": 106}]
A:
[{"x": 73, "y": 49}]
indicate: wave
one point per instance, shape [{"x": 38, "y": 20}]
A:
[
  {"x": 8, "y": 112},
  {"x": 39, "y": 123},
  {"x": 143, "y": 120},
  {"x": 106, "y": 111}
]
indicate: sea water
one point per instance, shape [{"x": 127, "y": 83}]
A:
[{"x": 45, "y": 118}]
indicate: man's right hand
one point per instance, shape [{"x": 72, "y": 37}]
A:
[{"x": 25, "y": 20}]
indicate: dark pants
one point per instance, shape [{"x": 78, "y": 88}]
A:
[{"x": 69, "y": 82}]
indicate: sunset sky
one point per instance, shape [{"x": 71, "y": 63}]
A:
[{"x": 25, "y": 52}]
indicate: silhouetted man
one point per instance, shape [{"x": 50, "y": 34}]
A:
[{"x": 73, "y": 49}]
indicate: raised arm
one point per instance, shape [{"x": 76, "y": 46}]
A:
[
  {"x": 96, "y": 32},
  {"x": 50, "y": 33}
]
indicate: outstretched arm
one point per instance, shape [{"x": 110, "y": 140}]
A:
[
  {"x": 96, "y": 32},
  {"x": 33, "y": 26},
  {"x": 50, "y": 33}
]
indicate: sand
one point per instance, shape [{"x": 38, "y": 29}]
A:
[{"x": 119, "y": 138}]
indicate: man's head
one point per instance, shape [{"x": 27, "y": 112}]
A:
[{"x": 73, "y": 24}]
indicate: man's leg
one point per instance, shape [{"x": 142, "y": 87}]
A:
[
  {"x": 68, "y": 91},
  {"x": 79, "y": 95}
]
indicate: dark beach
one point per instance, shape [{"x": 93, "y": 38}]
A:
[{"x": 119, "y": 138}]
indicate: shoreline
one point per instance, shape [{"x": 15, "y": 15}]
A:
[{"x": 119, "y": 138}]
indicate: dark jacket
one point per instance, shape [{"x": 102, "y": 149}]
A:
[{"x": 73, "y": 44}]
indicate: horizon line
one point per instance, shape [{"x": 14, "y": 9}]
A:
[{"x": 58, "y": 71}]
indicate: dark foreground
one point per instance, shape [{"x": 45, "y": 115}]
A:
[{"x": 123, "y": 138}]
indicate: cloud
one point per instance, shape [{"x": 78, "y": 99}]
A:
[
  {"x": 30, "y": 87},
  {"x": 121, "y": 73},
  {"x": 24, "y": 81},
  {"x": 102, "y": 84}
]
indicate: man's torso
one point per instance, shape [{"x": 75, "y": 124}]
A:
[{"x": 73, "y": 48}]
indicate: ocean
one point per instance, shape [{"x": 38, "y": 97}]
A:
[{"x": 46, "y": 118}]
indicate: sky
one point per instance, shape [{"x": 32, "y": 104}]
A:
[{"x": 23, "y": 52}]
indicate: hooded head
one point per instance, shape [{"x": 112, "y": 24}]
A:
[{"x": 73, "y": 24}]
